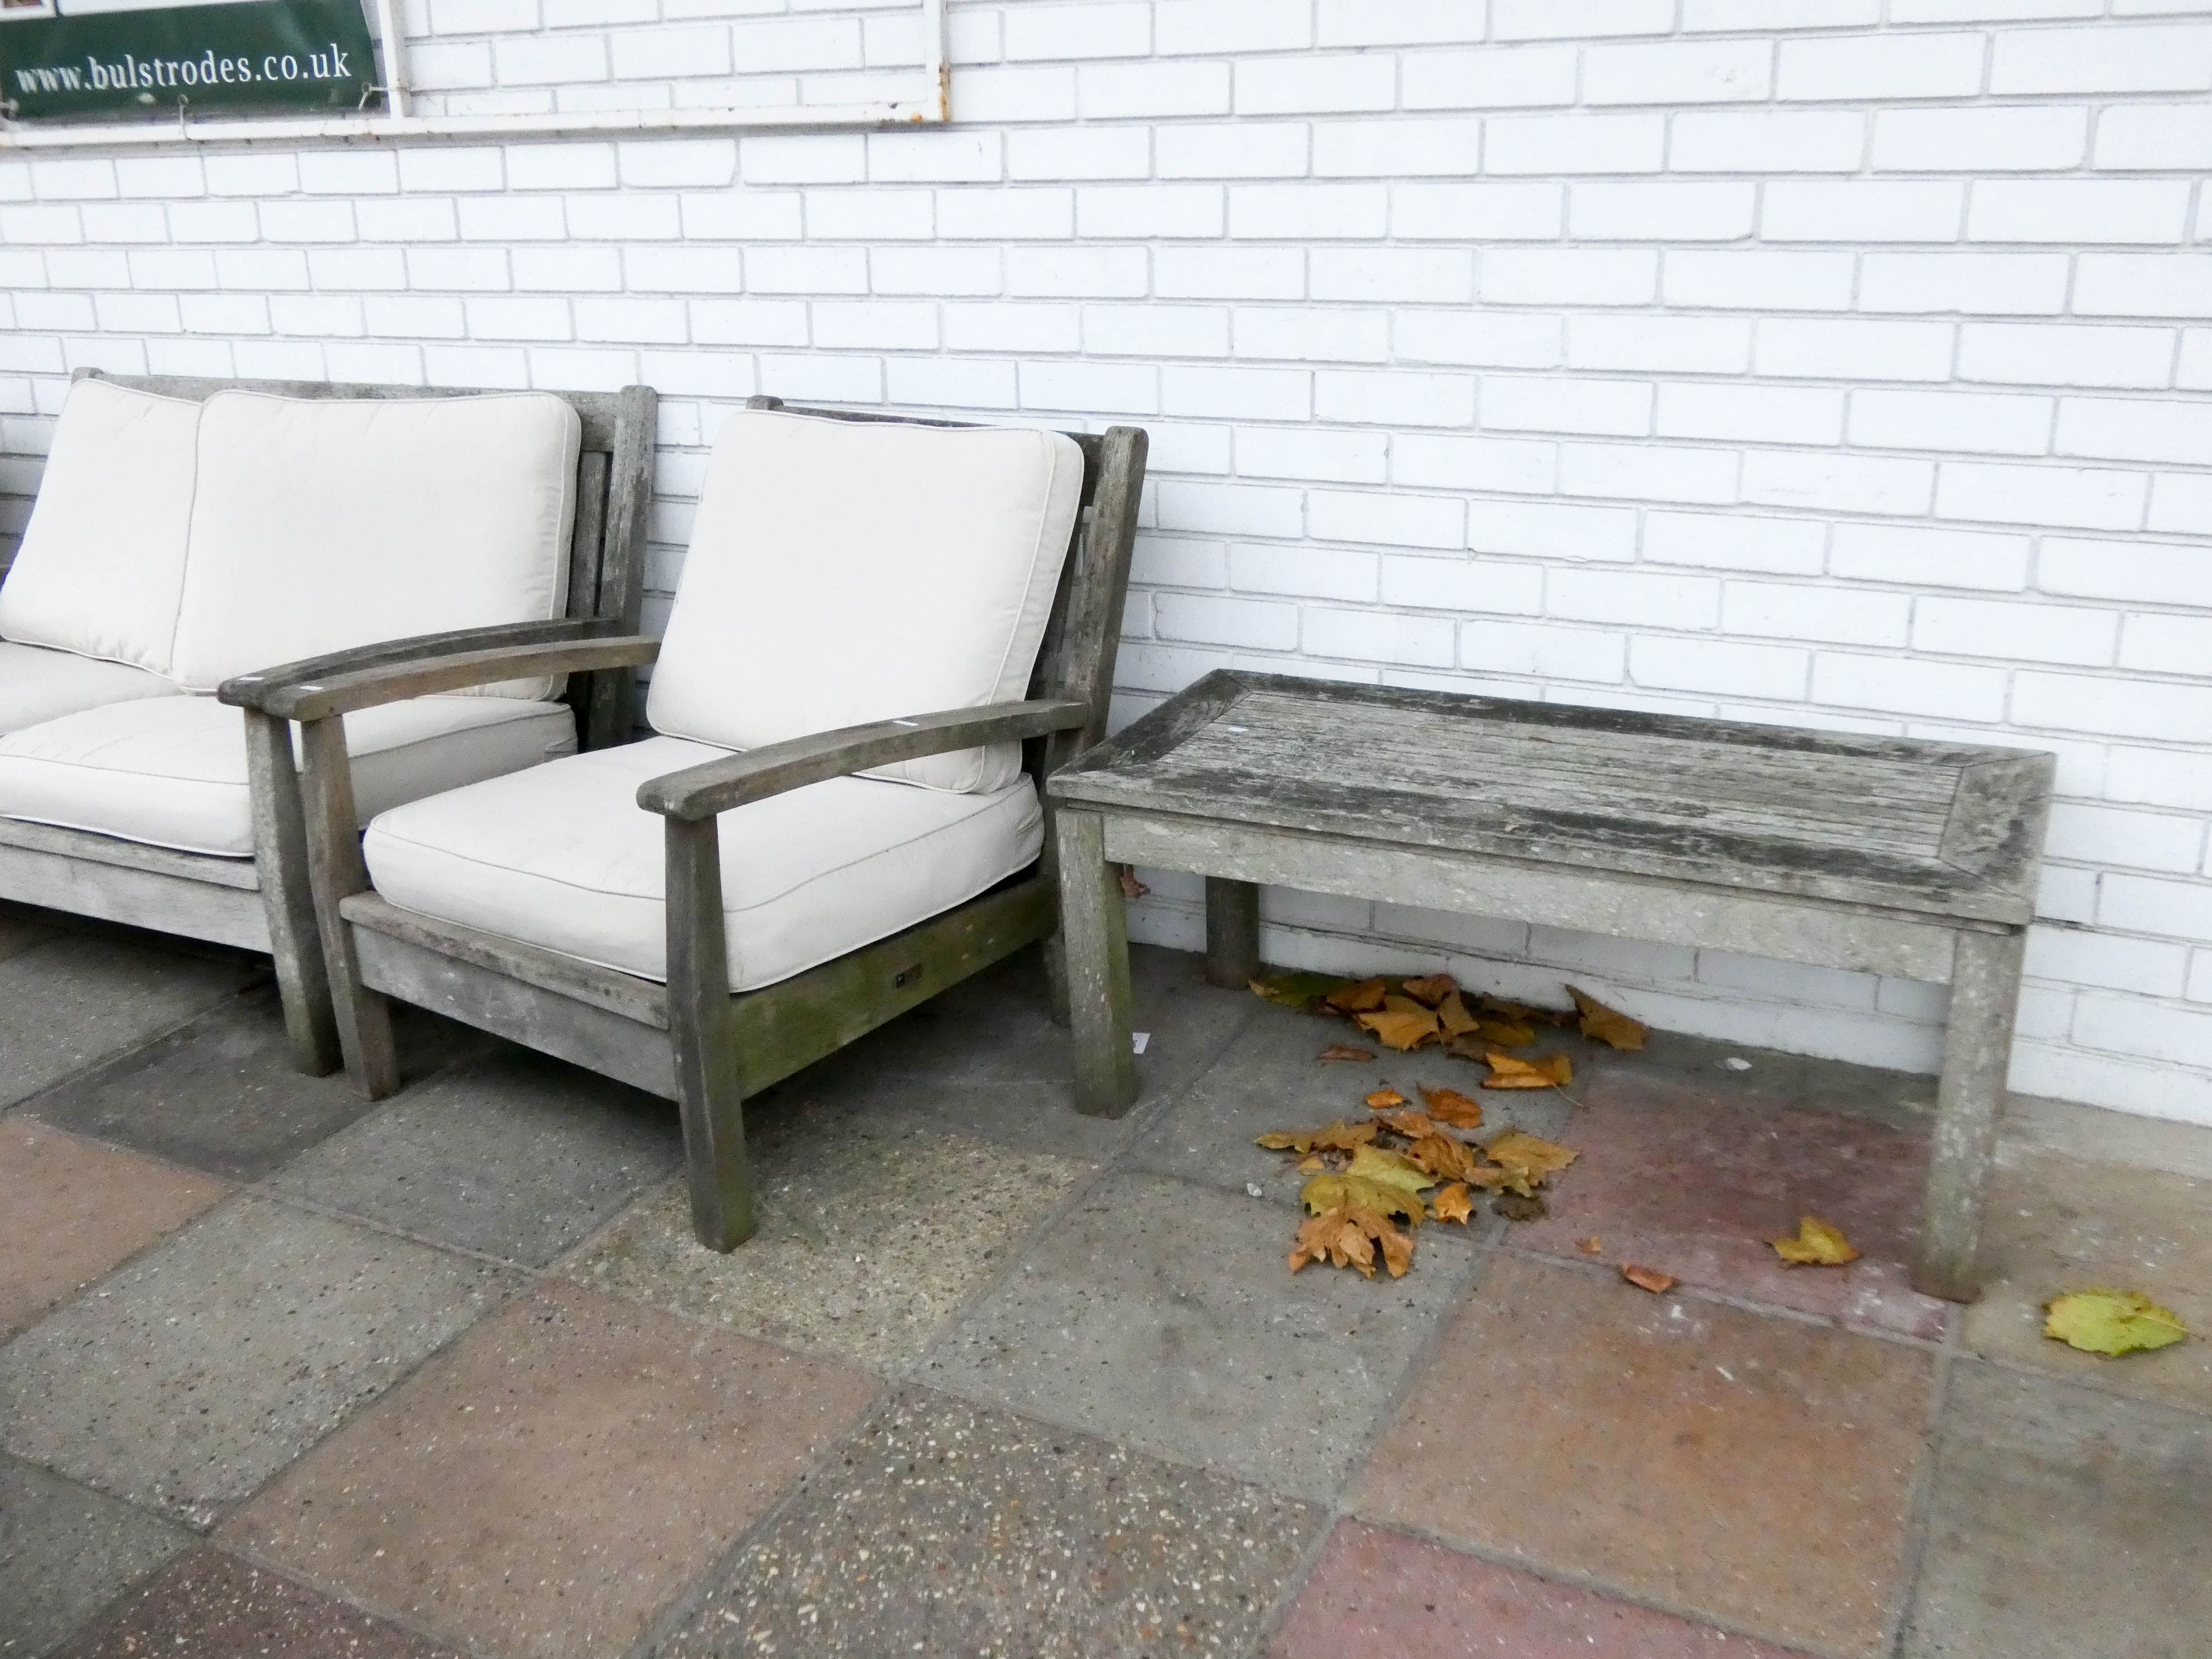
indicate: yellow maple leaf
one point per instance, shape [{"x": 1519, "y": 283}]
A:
[
  {"x": 1444, "y": 1158},
  {"x": 1385, "y": 1182},
  {"x": 1452, "y": 1015},
  {"x": 1384, "y": 1098},
  {"x": 1449, "y": 1106},
  {"x": 1431, "y": 990},
  {"x": 1608, "y": 1025},
  {"x": 1356, "y": 998},
  {"x": 1400, "y": 1023},
  {"x": 1453, "y": 1203},
  {"x": 1506, "y": 1034},
  {"x": 1818, "y": 1245},
  {"x": 1528, "y": 1160},
  {"x": 2111, "y": 1322},
  {"x": 1335, "y": 1236},
  {"x": 1549, "y": 1072},
  {"x": 1334, "y": 1137}
]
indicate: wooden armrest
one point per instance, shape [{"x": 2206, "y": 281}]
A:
[
  {"x": 450, "y": 671},
  {"x": 700, "y": 791},
  {"x": 252, "y": 690}
]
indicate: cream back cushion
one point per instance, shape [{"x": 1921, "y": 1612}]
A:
[
  {"x": 102, "y": 562},
  {"x": 841, "y": 572},
  {"x": 322, "y": 523}
]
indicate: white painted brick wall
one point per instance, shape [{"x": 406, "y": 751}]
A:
[{"x": 1817, "y": 361}]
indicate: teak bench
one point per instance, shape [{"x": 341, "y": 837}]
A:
[{"x": 1881, "y": 855}]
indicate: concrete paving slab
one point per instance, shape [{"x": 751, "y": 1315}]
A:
[
  {"x": 875, "y": 1230},
  {"x": 514, "y": 1155},
  {"x": 2056, "y": 1224},
  {"x": 1163, "y": 1313},
  {"x": 1745, "y": 1470},
  {"x": 1271, "y": 1078},
  {"x": 1380, "y": 1592},
  {"x": 546, "y": 1488},
  {"x": 2066, "y": 1523},
  {"x": 220, "y": 1094},
  {"x": 1903, "y": 1099},
  {"x": 21, "y": 928},
  {"x": 77, "y": 1000},
  {"x": 1695, "y": 1183},
  {"x": 215, "y": 1604},
  {"x": 66, "y": 1553},
  {"x": 76, "y": 1210},
  {"x": 221, "y": 1354},
  {"x": 944, "y": 1528}
]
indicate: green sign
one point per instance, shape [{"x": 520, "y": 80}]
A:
[{"x": 244, "y": 55}]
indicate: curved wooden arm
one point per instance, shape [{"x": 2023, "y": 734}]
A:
[
  {"x": 251, "y": 690},
  {"x": 700, "y": 791},
  {"x": 456, "y": 671}
]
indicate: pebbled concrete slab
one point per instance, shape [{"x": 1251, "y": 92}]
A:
[
  {"x": 1673, "y": 1448},
  {"x": 2056, "y": 1224},
  {"x": 874, "y": 1233},
  {"x": 77, "y": 1000},
  {"x": 545, "y": 1489},
  {"x": 945, "y": 1528},
  {"x": 221, "y": 1355},
  {"x": 1378, "y": 1592},
  {"x": 220, "y": 1094},
  {"x": 513, "y": 1155},
  {"x": 1162, "y": 1314},
  {"x": 216, "y": 1605},
  {"x": 74, "y": 1210},
  {"x": 66, "y": 1553},
  {"x": 2066, "y": 1523}
]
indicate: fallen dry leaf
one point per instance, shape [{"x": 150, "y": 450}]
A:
[
  {"x": 1449, "y": 1106},
  {"x": 1452, "y": 1015},
  {"x": 1385, "y": 1097},
  {"x": 1386, "y": 1182},
  {"x": 1505, "y": 1033},
  {"x": 1334, "y": 1137},
  {"x": 1411, "y": 1124},
  {"x": 1517, "y": 1206},
  {"x": 1358, "y": 998},
  {"x": 1647, "y": 1279},
  {"x": 1591, "y": 1246},
  {"x": 1817, "y": 1245},
  {"x": 1299, "y": 991},
  {"x": 1131, "y": 887},
  {"x": 1432, "y": 990},
  {"x": 1345, "y": 1051},
  {"x": 1348, "y": 1236},
  {"x": 1453, "y": 1203},
  {"x": 1608, "y": 1025},
  {"x": 1550, "y": 1071},
  {"x": 1444, "y": 1158},
  {"x": 1528, "y": 1159},
  {"x": 2111, "y": 1322},
  {"x": 1521, "y": 1013},
  {"x": 1312, "y": 1164},
  {"x": 1402, "y": 1024}
]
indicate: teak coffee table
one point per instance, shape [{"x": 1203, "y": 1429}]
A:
[{"x": 1882, "y": 855}]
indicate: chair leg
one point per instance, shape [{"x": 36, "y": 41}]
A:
[
  {"x": 1232, "y": 933},
  {"x": 709, "y": 1087},
  {"x": 364, "y": 1018},
  {"x": 280, "y": 861},
  {"x": 1094, "y": 927},
  {"x": 1976, "y": 1053}
]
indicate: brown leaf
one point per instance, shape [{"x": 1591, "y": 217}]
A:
[
  {"x": 1505, "y": 1033},
  {"x": 1385, "y": 1097},
  {"x": 1608, "y": 1025},
  {"x": 1647, "y": 1279},
  {"x": 1549, "y": 1072},
  {"x": 1521, "y": 1013},
  {"x": 1312, "y": 1164},
  {"x": 1452, "y": 1015},
  {"x": 1362, "y": 998},
  {"x": 1591, "y": 1246},
  {"x": 1300, "y": 991},
  {"x": 1384, "y": 1182},
  {"x": 1344, "y": 1051},
  {"x": 1402, "y": 1024},
  {"x": 1818, "y": 1245},
  {"x": 1397, "y": 1245},
  {"x": 1131, "y": 887},
  {"x": 1433, "y": 990},
  {"x": 1335, "y": 1137},
  {"x": 1453, "y": 1203},
  {"x": 1528, "y": 1161},
  {"x": 1444, "y": 1158},
  {"x": 1449, "y": 1106},
  {"x": 1411, "y": 1124},
  {"x": 1520, "y": 1206},
  {"x": 1334, "y": 1236}
]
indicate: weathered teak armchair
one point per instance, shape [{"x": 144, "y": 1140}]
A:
[
  {"x": 187, "y": 530},
  {"x": 838, "y": 822}
]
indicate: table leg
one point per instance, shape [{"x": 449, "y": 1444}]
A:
[
  {"x": 1977, "y": 1051},
  {"x": 1094, "y": 930},
  {"x": 1232, "y": 933}
]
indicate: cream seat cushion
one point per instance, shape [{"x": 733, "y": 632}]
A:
[
  {"x": 563, "y": 857},
  {"x": 102, "y": 563},
  {"x": 844, "y": 571},
  {"x": 38, "y": 685},
  {"x": 171, "y": 771}
]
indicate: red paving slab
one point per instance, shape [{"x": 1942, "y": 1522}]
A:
[
  {"x": 1695, "y": 1182},
  {"x": 76, "y": 1210},
  {"x": 214, "y": 1605},
  {"x": 1379, "y": 1592}
]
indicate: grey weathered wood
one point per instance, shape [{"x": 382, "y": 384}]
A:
[
  {"x": 719, "y": 786},
  {"x": 710, "y": 1092},
  {"x": 640, "y": 1001},
  {"x": 1232, "y": 932},
  {"x": 259, "y": 689},
  {"x": 395, "y": 682},
  {"x": 280, "y": 844},
  {"x": 1883, "y": 855},
  {"x": 1094, "y": 925},
  {"x": 114, "y": 891},
  {"x": 87, "y": 847},
  {"x": 364, "y": 1022},
  {"x": 607, "y": 700},
  {"x": 1976, "y": 1053}
]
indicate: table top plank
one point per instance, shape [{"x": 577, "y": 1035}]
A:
[{"x": 1895, "y": 824}]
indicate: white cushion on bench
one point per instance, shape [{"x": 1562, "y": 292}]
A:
[
  {"x": 320, "y": 523},
  {"x": 171, "y": 771},
  {"x": 37, "y": 684},
  {"x": 843, "y": 571},
  {"x": 563, "y": 857},
  {"x": 102, "y": 562}
]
